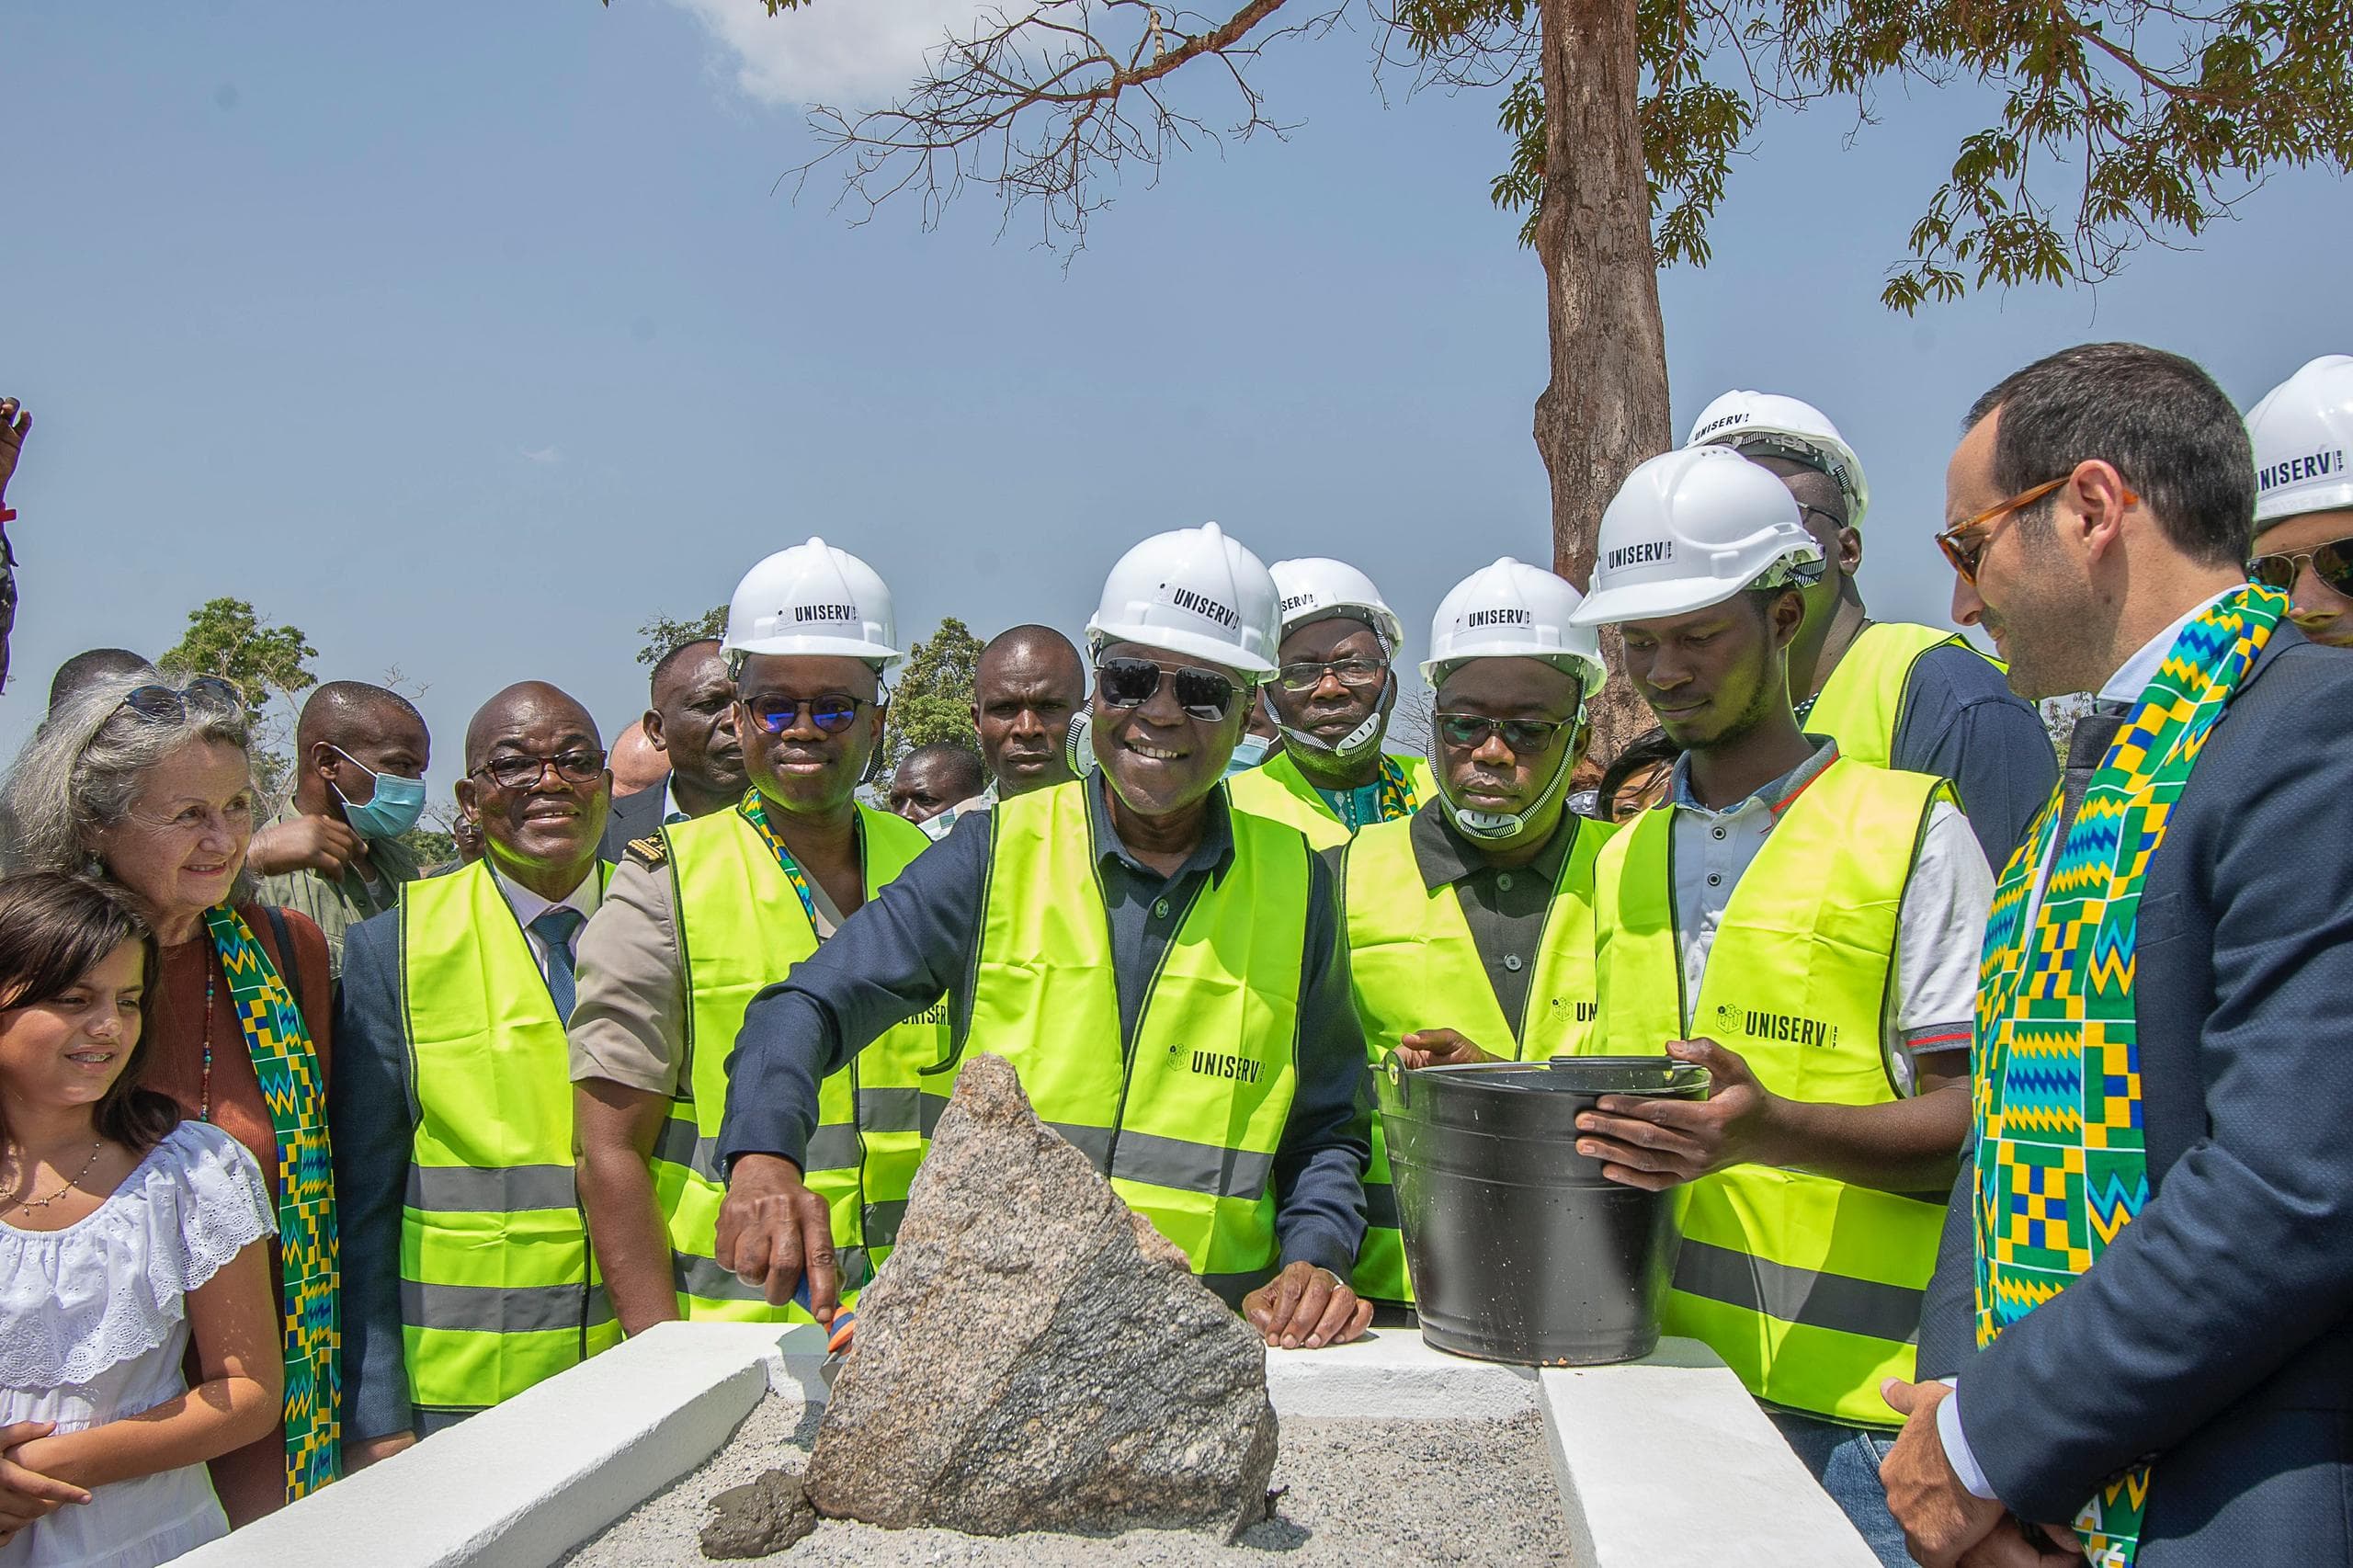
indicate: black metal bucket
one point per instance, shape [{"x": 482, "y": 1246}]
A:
[{"x": 1520, "y": 1249}]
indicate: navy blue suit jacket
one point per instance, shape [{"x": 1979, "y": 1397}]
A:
[{"x": 2216, "y": 1333}]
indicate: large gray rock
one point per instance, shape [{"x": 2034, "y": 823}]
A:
[{"x": 1035, "y": 1355}]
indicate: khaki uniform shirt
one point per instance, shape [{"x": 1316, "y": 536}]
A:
[
  {"x": 340, "y": 904},
  {"x": 628, "y": 1020}
]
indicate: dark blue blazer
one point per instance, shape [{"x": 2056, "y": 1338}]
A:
[{"x": 2216, "y": 1334}]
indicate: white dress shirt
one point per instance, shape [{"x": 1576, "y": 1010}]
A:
[{"x": 529, "y": 907}]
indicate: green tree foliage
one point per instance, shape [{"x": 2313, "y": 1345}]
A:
[
  {"x": 662, "y": 634},
  {"x": 2115, "y": 122},
  {"x": 932, "y": 698},
  {"x": 267, "y": 663},
  {"x": 2112, "y": 122}
]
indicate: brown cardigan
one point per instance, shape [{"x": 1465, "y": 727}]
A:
[{"x": 252, "y": 1480}]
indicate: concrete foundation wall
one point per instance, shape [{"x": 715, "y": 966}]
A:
[{"x": 1661, "y": 1463}]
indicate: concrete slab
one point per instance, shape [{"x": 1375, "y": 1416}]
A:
[
  {"x": 519, "y": 1486},
  {"x": 1661, "y": 1463},
  {"x": 1666, "y": 1462}
]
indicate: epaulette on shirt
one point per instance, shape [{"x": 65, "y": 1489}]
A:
[{"x": 650, "y": 853}]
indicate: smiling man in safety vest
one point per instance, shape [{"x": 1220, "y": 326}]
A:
[
  {"x": 1331, "y": 699},
  {"x": 1165, "y": 973},
  {"x": 1891, "y": 693},
  {"x": 466, "y": 1273},
  {"x": 1804, "y": 926},
  {"x": 1470, "y": 922},
  {"x": 704, "y": 914}
]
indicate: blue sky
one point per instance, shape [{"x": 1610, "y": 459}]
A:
[{"x": 468, "y": 337}]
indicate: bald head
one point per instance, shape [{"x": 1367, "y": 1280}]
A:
[
  {"x": 1029, "y": 684},
  {"x": 527, "y": 705},
  {"x": 537, "y": 784}
]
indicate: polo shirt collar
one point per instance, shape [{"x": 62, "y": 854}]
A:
[
  {"x": 1775, "y": 796},
  {"x": 1445, "y": 857},
  {"x": 1214, "y": 854}
]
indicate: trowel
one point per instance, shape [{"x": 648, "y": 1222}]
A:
[{"x": 837, "y": 1339}]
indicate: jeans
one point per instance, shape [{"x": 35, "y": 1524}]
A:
[{"x": 1845, "y": 1460}]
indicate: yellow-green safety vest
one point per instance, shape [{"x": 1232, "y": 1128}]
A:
[
  {"x": 1810, "y": 1289},
  {"x": 498, "y": 1290},
  {"x": 1184, "y": 1119},
  {"x": 741, "y": 928},
  {"x": 1861, "y": 705},
  {"x": 1414, "y": 966},
  {"x": 1279, "y": 791}
]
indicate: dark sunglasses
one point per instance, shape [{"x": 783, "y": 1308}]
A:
[
  {"x": 1130, "y": 683},
  {"x": 2331, "y": 562},
  {"x": 832, "y": 712},
  {"x": 1525, "y": 737},
  {"x": 168, "y": 705},
  {"x": 1354, "y": 673},
  {"x": 579, "y": 766},
  {"x": 1966, "y": 553}
]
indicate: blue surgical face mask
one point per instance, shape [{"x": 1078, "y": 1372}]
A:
[
  {"x": 1249, "y": 752},
  {"x": 392, "y": 811}
]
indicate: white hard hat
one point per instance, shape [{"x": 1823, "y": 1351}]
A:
[
  {"x": 1512, "y": 611},
  {"x": 1691, "y": 528},
  {"x": 1768, "y": 425},
  {"x": 1192, "y": 591},
  {"x": 1316, "y": 587},
  {"x": 814, "y": 598},
  {"x": 2300, "y": 431}
]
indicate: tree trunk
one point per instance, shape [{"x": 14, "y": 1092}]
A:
[{"x": 1606, "y": 407}]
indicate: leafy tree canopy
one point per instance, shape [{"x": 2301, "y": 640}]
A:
[
  {"x": 267, "y": 663},
  {"x": 931, "y": 700},
  {"x": 662, "y": 634}
]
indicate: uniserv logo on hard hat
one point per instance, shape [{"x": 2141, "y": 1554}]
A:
[
  {"x": 1479, "y": 617},
  {"x": 1650, "y": 553},
  {"x": 2295, "y": 471},
  {"x": 1298, "y": 601},
  {"x": 803, "y": 614},
  {"x": 1208, "y": 608},
  {"x": 1713, "y": 425}
]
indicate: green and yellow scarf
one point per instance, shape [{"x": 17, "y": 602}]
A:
[
  {"x": 756, "y": 812},
  {"x": 2062, "y": 1160},
  {"x": 292, "y": 1087}
]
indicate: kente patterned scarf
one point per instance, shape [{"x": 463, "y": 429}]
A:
[
  {"x": 756, "y": 812},
  {"x": 1392, "y": 797},
  {"x": 2061, "y": 1161},
  {"x": 288, "y": 1068}
]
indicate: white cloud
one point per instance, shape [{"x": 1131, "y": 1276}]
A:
[
  {"x": 546, "y": 456},
  {"x": 851, "y": 54}
]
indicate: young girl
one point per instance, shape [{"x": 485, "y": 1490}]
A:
[{"x": 123, "y": 1231}]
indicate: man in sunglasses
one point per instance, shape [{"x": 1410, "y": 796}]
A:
[
  {"x": 1804, "y": 926},
  {"x": 704, "y": 913},
  {"x": 334, "y": 851},
  {"x": 1471, "y": 925},
  {"x": 1891, "y": 693},
  {"x": 2146, "y": 1292},
  {"x": 2301, "y": 432},
  {"x": 465, "y": 1268},
  {"x": 1165, "y": 973},
  {"x": 1331, "y": 699}
]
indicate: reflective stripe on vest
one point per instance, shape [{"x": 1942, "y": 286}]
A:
[
  {"x": 741, "y": 928},
  {"x": 1184, "y": 1119},
  {"x": 1810, "y": 1289},
  {"x": 1415, "y": 966},
  {"x": 1861, "y": 705},
  {"x": 1277, "y": 791},
  {"x": 497, "y": 1288}
]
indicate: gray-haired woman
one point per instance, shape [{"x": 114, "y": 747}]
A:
[{"x": 152, "y": 786}]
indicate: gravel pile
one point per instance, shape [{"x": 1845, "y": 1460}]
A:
[{"x": 1360, "y": 1494}]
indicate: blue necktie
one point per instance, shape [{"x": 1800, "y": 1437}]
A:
[{"x": 556, "y": 929}]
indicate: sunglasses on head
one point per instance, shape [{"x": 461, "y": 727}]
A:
[
  {"x": 832, "y": 711},
  {"x": 2331, "y": 562},
  {"x": 167, "y": 704},
  {"x": 516, "y": 771},
  {"x": 1525, "y": 737},
  {"x": 1130, "y": 683}
]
